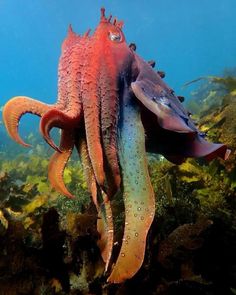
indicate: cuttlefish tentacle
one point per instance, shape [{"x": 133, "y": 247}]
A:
[
  {"x": 58, "y": 163},
  {"x": 105, "y": 221},
  {"x": 139, "y": 197},
  {"x": 15, "y": 108},
  {"x": 60, "y": 119}
]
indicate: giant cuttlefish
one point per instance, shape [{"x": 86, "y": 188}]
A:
[{"x": 113, "y": 107}]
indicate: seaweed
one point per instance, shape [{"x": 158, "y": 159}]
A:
[{"x": 48, "y": 243}]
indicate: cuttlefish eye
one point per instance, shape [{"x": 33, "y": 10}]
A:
[{"x": 115, "y": 36}]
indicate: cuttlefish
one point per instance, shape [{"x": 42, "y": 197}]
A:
[{"x": 113, "y": 107}]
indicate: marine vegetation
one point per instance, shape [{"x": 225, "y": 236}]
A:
[{"x": 56, "y": 246}]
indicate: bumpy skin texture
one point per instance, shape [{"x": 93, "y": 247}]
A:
[{"x": 113, "y": 107}]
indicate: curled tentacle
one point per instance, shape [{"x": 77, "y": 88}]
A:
[
  {"x": 56, "y": 118},
  {"x": 15, "y": 108},
  {"x": 58, "y": 163}
]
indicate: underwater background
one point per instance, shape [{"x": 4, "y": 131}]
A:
[
  {"x": 187, "y": 40},
  {"x": 48, "y": 242}
]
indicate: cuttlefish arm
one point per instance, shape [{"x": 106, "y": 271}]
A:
[
  {"x": 67, "y": 112},
  {"x": 81, "y": 146},
  {"x": 168, "y": 127},
  {"x": 15, "y": 108},
  {"x": 139, "y": 198},
  {"x": 105, "y": 227},
  {"x": 100, "y": 199},
  {"x": 58, "y": 162},
  {"x": 59, "y": 119}
]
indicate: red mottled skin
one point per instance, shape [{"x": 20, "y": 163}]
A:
[
  {"x": 113, "y": 107},
  {"x": 88, "y": 73}
]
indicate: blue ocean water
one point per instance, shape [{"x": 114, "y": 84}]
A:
[
  {"x": 187, "y": 39},
  {"x": 48, "y": 242}
]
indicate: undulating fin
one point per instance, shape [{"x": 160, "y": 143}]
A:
[
  {"x": 155, "y": 95},
  {"x": 138, "y": 194},
  {"x": 58, "y": 163},
  {"x": 169, "y": 129},
  {"x": 208, "y": 150},
  {"x": 15, "y": 108},
  {"x": 105, "y": 220},
  {"x": 177, "y": 146}
]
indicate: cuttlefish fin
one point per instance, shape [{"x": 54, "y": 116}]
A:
[
  {"x": 156, "y": 96},
  {"x": 58, "y": 163},
  {"x": 174, "y": 134},
  {"x": 15, "y": 108}
]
